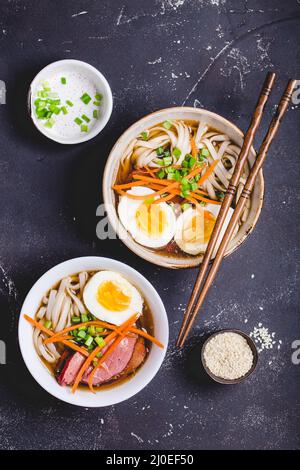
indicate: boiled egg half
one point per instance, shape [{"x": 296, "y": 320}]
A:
[
  {"x": 111, "y": 298},
  {"x": 195, "y": 226},
  {"x": 151, "y": 225}
]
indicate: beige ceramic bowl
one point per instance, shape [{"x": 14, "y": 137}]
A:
[{"x": 112, "y": 166}]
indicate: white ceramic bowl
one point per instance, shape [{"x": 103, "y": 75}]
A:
[
  {"x": 103, "y": 397},
  {"x": 93, "y": 75},
  {"x": 112, "y": 165}
]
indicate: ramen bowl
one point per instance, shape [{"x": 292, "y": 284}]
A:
[
  {"x": 107, "y": 395},
  {"x": 112, "y": 166}
]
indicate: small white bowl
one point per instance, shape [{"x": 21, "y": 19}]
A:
[
  {"x": 111, "y": 395},
  {"x": 87, "y": 71}
]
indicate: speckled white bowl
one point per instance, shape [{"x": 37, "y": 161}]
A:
[
  {"x": 111, "y": 170},
  {"x": 103, "y": 397},
  {"x": 85, "y": 70}
]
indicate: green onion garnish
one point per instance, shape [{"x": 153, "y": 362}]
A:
[
  {"x": 84, "y": 128},
  {"x": 78, "y": 121},
  {"x": 69, "y": 103},
  {"x": 97, "y": 103},
  {"x": 185, "y": 206},
  {"x": 144, "y": 135},
  {"x": 176, "y": 152},
  {"x": 85, "y": 118},
  {"x": 81, "y": 334},
  {"x": 204, "y": 152},
  {"x": 89, "y": 340},
  {"x": 167, "y": 124},
  {"x": 159, "y": 151},
  {"x": 167, "y": 161},
  {"x": 95, "y": 114},
  {"x": 194, "y": 186},
  {"x": 48, "y": 324},
  {"x": 99, "y": 340},
  {"x": 64, "y": 110},
  {"x": 98, "y": 96},
  {"x": 85, "y": 98},
  {"x": 84, "y": 317},
  {"x": 63, "y": 80},
  {"x": 192, "y": 162},
  {"x": 161, "y": 174},
  {"x": 50, "y": 123},
  {"x": 75, "y": 319},
  {"x": 149, "y": 200}
]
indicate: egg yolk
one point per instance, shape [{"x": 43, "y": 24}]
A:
[
  {"x": 199, "y": 228},
  {"x": 112, "y": 297},
  {"x": 151, "y": 219}
]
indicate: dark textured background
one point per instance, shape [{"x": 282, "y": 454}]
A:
[{"x": 155, "y": 54}]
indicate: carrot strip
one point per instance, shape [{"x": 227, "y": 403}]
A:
[
  {"x": 157, "y": 193},
  {"x": 87, "y": 362},
  {"x": 194, "y": 148},
  {"x": 165, "y": 199},
  {"x": 204, "y": 199},
  {"x": 208, "y": 172},
  {"x": 50, "y": 333},
  {"x": 151, "y": 180},
  {"x": 146, "y": 335},
  {"x": 126, "y": 185},
  {"x": 150, "y": 171}
]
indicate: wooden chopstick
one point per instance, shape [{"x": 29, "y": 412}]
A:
[
  {"x": 269, "y": 138},
  {"x": 227, "y": 201}
]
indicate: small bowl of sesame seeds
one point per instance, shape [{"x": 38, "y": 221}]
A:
[{"x": 229, "y": 356}]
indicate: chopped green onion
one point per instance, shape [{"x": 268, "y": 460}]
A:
[
  {"x": 69, "y": 103},
  {"x": 185, "y": 193},
  {"x": 99, "y": 354},
  {"x": 84, "y": 128},
  {"x": 50, "y": 123},
  {"x": 75, "y": 320},
  {"x": 194, "y": 186},
  {"x": 85, "y": 98},
  {"x": 48, "y": 324},
  {"x": 78, "y": 121},
  {"x": 185, "y": 164},
  {"x": 159, "y": 162},
  {"x": 64, "y": 110},
  {"x": 54, "y": 101},
  {"x": 99, "y": 340},
  {"x": 81, "y": 334},
  {"x": 205, "y": 153},
  {"x": 149, "y": 200},
  {"x": 145, "y": 135},
  {"x": 176, "y": 152},
  {"x": 84, "y": 328},
  {"x": 167, "y": 153},
  {"x": 167, "y": 124},
  {"x": 159, "y": 151},
  {"x": 84, "y": 317},
  {"x": 95, "y": 114},
  {"x": 171, "y": 176},
  {"x": 197, "y": 177},
  {"x": 185, "y": 206},
  {"x": 89, "y": 340},
  {"x": 167, "y": 161},
  {"x": 91, "y": 330},
  {"x": 85, "y": 118},
  {"x": 99, "y": 329},
  {"x": 95, "y": 362},
  {"x": 98, "y": 96},
  {"x": 192, "y": 162},
  {"x": 161, "y": 174},
  {"x": 97, "y": 103},
  {"x": 63, "y": 80},
  {"x": 184, "y": 182}
]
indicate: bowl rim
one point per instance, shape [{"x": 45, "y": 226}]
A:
[
  {"x": 124, "y": 390},
  {"x": 113, "y": 218},
  {"x": 252, "y": 346},
  {"x": 98, "y": 127}
]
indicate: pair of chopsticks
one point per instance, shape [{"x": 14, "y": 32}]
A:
[{"x": 205, "y": 276}]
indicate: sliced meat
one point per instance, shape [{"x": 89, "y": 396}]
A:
[
  {"x": 137, "y": 357},
  {"x": 115, "y": 363},
  {"x": 71, "y": 369}
]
